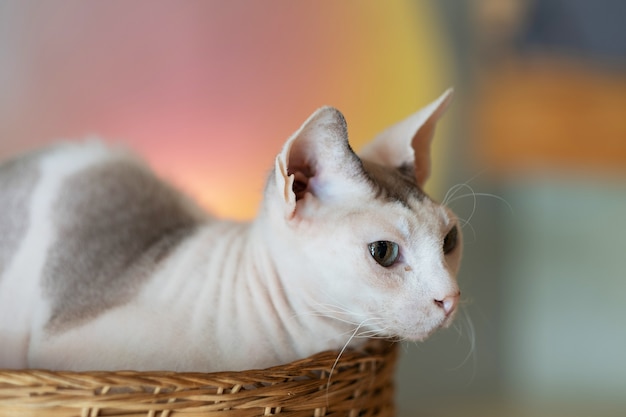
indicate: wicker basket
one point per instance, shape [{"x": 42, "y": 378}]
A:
[{"x": 361, "y": 384}]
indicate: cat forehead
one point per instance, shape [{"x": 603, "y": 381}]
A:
[
  {"x": 414, "y": 209},
  {"x": 394, "y": 184}
]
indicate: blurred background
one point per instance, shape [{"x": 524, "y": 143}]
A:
[{"x": 534, "y": 150}]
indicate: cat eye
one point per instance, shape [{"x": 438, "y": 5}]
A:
[
  {"x": 384, "y": 252},
  {"x": 450, "y": 241}
]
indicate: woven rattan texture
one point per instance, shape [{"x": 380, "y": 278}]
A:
[{"x": 361, "y": 384}]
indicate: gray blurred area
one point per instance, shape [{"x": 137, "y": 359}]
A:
[{"x": 544, "y": 275}]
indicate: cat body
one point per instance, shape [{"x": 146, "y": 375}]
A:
[{"x": 104, "y": 266}]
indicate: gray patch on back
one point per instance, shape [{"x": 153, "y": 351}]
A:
[
  {"x": 115, "y": 223},
  {"x": 18, "y": 179},
  {"x": 394, "y": 184}
]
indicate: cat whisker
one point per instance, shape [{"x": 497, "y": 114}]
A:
[
  {"x": 474, "y": 194},
  {"x": 326, "y": 315},
  {"x": 466, "y": 223},
  {"x": 343, "y": 349},
  {"x": 353, "y": 335},
  {"x": 336, "y": 309},
  {"x": 451, "y": 192},
  {"x": 379, "y": 333},
  {"x": 451, "y": 196},
  {"x": 321, "y": 310},
  {"x": 370, "y": 333},
  {"x": 455, "y": 188},
  {"x": 372, "y": 336},
  {"x": 336, "y": 303},
  {"x": 474, "y": 203},
  {"x": 335, "y": 312},
  {"x": 471, "y": 334}
]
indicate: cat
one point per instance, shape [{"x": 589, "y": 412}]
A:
[{"x": 105, "y": 267}]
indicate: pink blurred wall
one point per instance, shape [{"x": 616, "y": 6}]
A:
[{"x": 208, "y": 91}]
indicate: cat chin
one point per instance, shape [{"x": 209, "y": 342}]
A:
[
  {"x": 415, "y": 335},
  {"x": 418, "y": 337},
  {"x": 421, "y": 335}
]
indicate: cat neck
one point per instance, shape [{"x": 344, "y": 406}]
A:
[
  {"x": 269, "y": 308},
  {"x": 291, "y": 293}
]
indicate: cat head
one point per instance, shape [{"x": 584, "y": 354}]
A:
[{"x": 355, "y": 237}]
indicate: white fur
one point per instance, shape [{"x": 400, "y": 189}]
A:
[{"x": 297, "y": 280}]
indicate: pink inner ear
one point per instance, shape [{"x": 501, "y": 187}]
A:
[
  {"x": 421, "y": 151},
  {"x": 318, "y": 156},
  {"x": 300, "y": 184},
  {"x": 408, "y": 141},
  {"x": 302, "y": 172},
  {"x": 300, "y": 166}
]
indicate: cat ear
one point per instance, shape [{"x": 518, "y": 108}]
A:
[
  {"x": 317, "y": 161},
  {"x": 408, "y": 142}
]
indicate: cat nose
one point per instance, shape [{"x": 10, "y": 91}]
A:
[{"x": 448, "y": 304}]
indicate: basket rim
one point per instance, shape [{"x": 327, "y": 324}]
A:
[
  {"x": 359, "y": 380},
  {"x": 374, "y": 351}
]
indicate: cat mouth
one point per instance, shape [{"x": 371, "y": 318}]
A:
[{"x": 447, "y": 321}]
